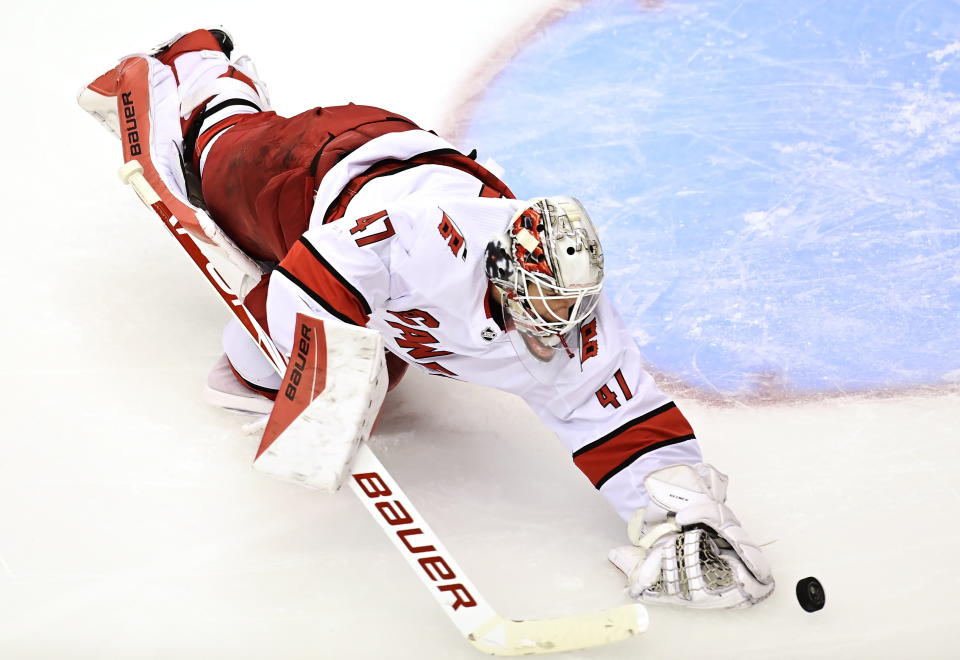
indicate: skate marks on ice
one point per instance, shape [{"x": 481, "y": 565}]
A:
[{"x": 777, "y": 183}]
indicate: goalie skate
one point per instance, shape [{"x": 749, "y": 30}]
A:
[{"x": 225, "y": 390}]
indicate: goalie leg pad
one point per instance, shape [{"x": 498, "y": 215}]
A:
[
  {"x": 140, "y": 101},
  {"x": 328, "y": 401}
]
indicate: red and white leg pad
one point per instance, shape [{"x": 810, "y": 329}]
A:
[
  {"x": 327, "y": 404},
  {"x": 139, "y": 102}
]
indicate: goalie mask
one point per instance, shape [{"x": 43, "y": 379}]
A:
[{"x": 548, "y": 266}]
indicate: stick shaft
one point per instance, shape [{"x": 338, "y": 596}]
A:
[{"x": 132, "y": 173}]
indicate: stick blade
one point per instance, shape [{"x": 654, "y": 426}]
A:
[{"x": 504, "y": 637}]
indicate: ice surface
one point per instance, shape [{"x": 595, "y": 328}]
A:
[{"x": 131, "y": 522}]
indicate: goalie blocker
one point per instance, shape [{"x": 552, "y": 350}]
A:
[{"x": 327, "y": 404}]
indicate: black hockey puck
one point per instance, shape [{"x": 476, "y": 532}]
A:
[{"x": 810, "y": 594}]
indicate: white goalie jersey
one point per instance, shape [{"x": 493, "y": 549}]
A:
[{"x": 407, "y": 259}]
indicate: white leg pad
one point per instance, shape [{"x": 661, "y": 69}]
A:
[
  {"x": 328, "y": 401},
  {"x": 102, "y": 107}
]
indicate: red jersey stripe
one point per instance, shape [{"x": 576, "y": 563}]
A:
[
  {"x": 602, "y": 459},
  {"x": 490, "y": 191},
  {"x": 446, "y": 157},
  {"x": 306, "y": 268}
]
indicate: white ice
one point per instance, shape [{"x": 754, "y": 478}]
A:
[{"x": 131, "y": 522}]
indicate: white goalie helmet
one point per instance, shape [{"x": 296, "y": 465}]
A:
[{"x": 549, "y": 267}]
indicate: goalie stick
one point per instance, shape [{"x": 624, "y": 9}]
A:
[{"x": 476, "y": 620}]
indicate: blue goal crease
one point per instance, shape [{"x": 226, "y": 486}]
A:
[{"x": 776, "y": 184}]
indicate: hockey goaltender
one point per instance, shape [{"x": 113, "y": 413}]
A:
[{"x": 354, "y": 216}]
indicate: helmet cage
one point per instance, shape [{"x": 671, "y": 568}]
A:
[{"x": 527, "y": 288}]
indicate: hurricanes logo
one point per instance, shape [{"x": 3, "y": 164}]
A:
[
  {"x": 451, "y": 234},
  {"x": 589, "y": 347}
]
